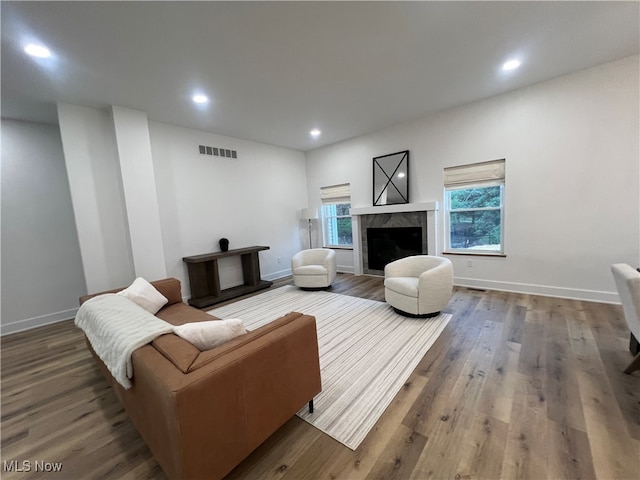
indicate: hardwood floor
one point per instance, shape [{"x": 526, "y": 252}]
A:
[{"x": 517, "y": 386}]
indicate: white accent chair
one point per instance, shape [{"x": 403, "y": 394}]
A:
[
  {"x": 314, "y": 268},
  {"x": 420, "y": 285},
  {"x": 628, "y": 283}
]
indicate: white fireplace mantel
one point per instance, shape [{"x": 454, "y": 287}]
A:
[
  {"x": 430, "y": 208},
  {"x": 403, "y": 207}
]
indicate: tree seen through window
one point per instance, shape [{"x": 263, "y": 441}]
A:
[{"x": 475, "y": 218}]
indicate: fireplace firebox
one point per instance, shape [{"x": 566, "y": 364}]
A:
[
  {"x": 388, "y": 244},
  {"x": 420, "y": 215}
]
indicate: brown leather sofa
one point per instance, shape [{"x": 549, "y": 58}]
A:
[{"x": 202, "y": 413}]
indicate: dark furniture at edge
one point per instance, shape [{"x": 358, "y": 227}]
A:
[{"x": 205, "y": 278}]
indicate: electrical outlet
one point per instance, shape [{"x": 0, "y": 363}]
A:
[
  {"x": 469, "y": 263},
  {"x": 279, "y": 260}
]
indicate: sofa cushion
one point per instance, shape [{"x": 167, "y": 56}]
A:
[
  {"x": 209, "y": 356},
  {"x": 207, "y": 335},
  {"x": 145, "y": 295},
  {"x": 170, "y": 288},
  {"x": 177, "y": 350},
  {"x": 181, "y": 313}
]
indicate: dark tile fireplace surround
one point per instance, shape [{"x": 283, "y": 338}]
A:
[{"x": 387, "y": 236}]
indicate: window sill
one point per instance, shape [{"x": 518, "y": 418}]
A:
[
  {"x": 477, "y": 254},
  {"x": 338, "y": 247}
]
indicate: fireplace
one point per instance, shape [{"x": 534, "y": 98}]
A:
[
  {"x": 388, "y": 244},
  {"x": 386, "y": 237},
  {"x": 401, "y": 222}
]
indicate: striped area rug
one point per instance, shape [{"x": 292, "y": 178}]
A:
[{"x": 367, "y": 353}]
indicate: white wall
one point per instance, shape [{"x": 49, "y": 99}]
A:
[
  {"x": 54, "y": 179},
  {"x": 125, "y": 170},
  {"x": 92, "y": 165},
  {"x": 572, "y": 187},
  {"x": 42, "y": 275},
  {"x": 252, "y": 200}
]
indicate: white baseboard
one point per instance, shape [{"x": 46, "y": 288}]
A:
[
  {"x": 344, "y": 269},
  {"x": 547, "y": 291},
  {"x": 29, "y": 323},
  {"x": 277, "y": 275},
  {"x": 287, "y": 272}
]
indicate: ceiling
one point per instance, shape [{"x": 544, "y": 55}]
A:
[{"x": 275, "y": 70}]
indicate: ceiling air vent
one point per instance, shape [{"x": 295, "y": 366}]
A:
[{"x": 217, "y": 151}]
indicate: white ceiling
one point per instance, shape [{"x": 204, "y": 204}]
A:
[{"x": 275, "y": 70}]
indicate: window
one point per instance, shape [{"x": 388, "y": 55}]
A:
[
  {"x": 474, "y": 208},
  {"x": 337, "y": 224},
  {"x": 336, "y": 221}
]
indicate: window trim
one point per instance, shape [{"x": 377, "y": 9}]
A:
[
  {"x": 449, "y": 250},
  {"x": 476, "y": 253}
]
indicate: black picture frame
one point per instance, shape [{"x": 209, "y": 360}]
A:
[{"x": 391, "y": 179}]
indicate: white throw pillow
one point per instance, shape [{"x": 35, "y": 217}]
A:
[
  {"x": 144, "y": 294},
  {"x": 206, "y": 335}
]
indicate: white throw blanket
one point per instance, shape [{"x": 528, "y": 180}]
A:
[{"x": 115, "y": 327}]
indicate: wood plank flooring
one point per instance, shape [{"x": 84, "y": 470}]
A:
[{"x": 517, "y": 386}]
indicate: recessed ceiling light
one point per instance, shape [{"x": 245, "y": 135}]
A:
[
  {"x": 200, "y": 99},
  {"x": 315, "y": 132},
  {"x": 39, "y": 51},
  {"x": 511, "y": 65}
]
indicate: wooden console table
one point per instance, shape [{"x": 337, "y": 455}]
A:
[{"x": 205, "y": 279}]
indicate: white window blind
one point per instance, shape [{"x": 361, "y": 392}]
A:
[
  {"x": 336, "y": 193},
  {"x": 493, "y": 170}
]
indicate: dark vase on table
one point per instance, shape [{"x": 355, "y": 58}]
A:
[{"x": 224, "y": 244}]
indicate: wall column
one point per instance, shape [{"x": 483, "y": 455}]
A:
[
  {"x": 139, "y": 188},
  {"x": 96, "y": 194}
]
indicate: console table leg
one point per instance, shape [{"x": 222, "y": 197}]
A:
[
  {"x": 204, "y": 279},
  {"x": 251, "y": 268}
]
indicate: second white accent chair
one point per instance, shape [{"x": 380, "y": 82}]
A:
[
  {"x": 420, "y": 285},
  {"x": 627, "y": 281},
  {"x": 314, "y": 268}
]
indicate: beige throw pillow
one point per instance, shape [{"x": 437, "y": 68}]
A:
[
  {"x": 145, "y": 295},
  {"x": 206, "y": 335}
]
